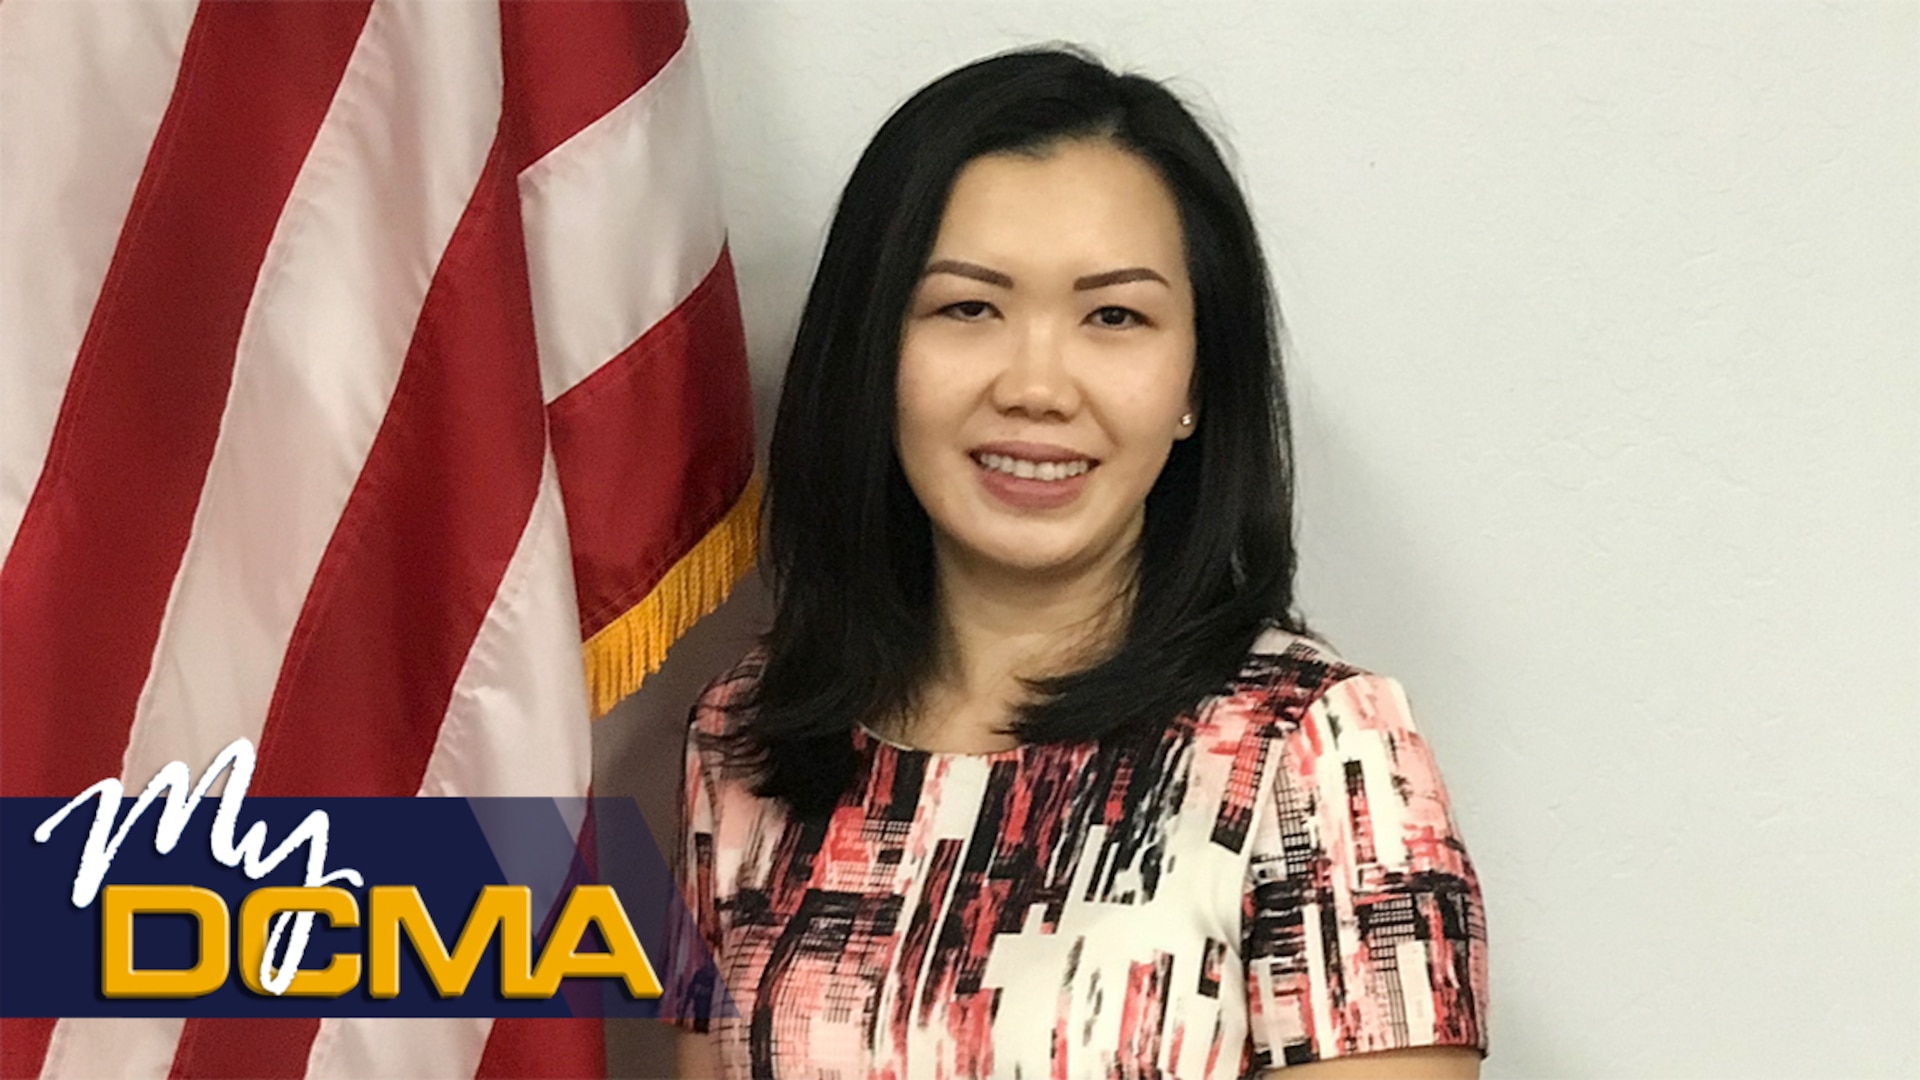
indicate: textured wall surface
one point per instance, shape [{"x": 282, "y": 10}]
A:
[{"x": 1605, "y": 361}]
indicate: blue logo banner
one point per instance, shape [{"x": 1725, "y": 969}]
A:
[{"x": 426, "y": 915}]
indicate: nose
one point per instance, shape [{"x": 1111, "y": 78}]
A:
[{"x": 1037, "y": 380}]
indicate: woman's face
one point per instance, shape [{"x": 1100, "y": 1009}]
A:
[{"x": 1046, "y": 359}]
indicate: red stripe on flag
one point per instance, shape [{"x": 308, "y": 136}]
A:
[
  {"x": 102, "y": 538},
  {"x": 411, "y": 568},
  {"x": 551, "y": 1047},
  {"x": 540, "y": 1048},
  {"x": 86, "y": 582},
  {"x": 653, "y": 448},
  {"x": 442, "y": 501},
  {"x": 577, "y": 59},
  {"x": 428, "y": 531},
  {"x": 627, "y": 44},
  {"x": 251, "y": 1049},
  {"x": 23, "y": 1045}
]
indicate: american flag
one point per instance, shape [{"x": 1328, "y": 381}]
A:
[{"x": 372, "y": 371}]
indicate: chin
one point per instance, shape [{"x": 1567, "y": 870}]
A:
[
  {"x": 1040, "y": 557},
  {"x": 1037, "y": 565}
]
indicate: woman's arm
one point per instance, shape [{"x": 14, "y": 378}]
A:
[
  {"x": 695, "y": 1058},
  {"x": 1417, "y": 1063},
  {"x": 1357, "y": 781}
]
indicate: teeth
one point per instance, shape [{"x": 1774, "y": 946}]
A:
[{"x": 1035, "y": 470}]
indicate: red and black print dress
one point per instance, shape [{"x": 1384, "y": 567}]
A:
[{"x": 1277, "y": 880}]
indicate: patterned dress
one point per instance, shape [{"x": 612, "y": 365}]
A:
[{"x": 1276, "y": 880}]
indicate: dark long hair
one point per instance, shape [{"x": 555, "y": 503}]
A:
[{"x": 849, "y": 549}]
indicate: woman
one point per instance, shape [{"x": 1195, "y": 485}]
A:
[{"x": 1035, "y": 773}]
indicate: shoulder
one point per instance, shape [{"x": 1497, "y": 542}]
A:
[
  {"x": 716, "y": 711},
  {"x": 1325, "y": 736},
  {"x": 714, "y": 728},
  {"x": 1286, "y": 672},
  {"x": 1297, "y": 691},
  {"x": 1279, "y": 680}
]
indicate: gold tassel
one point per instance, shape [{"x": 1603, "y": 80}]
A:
[{"x": 632, "y": 647}]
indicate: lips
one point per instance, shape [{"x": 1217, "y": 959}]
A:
[{"x": 1031, "y": 451}]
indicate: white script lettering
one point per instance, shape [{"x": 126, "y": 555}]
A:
[{"x": 172, "y": 783}]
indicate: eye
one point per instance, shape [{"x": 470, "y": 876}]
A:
[
  {"x": 968, "y": 310},
  {"x": 1113, "y": 317}
]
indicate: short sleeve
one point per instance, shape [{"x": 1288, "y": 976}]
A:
[
  {"x": 1362, "y": 920},
  {"x": 691, "y": 991}
]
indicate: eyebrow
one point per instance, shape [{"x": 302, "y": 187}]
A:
[
  {"x": 1117, "y": 277},
  {"x": 1101, "y": 280},
  {"x": 968, "y": 270}
]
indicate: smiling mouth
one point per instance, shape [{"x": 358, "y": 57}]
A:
[{"x": 1024, "y": 469}]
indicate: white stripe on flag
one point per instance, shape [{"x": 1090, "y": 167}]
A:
[
  {"x": 333, "y": 313},
  {"x": 378, "y": 1047},
  {"x": 99, "y": 1047},
  {"x": 517, "y": 725},
  {"x": 69, "y": 175},
  {"x": 74, "y": 133},
  {"x": 622, "y": 220}
]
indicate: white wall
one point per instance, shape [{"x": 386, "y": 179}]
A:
[{"x": 1606, "y": 366}]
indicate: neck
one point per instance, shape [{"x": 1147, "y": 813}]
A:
[{"x": 998, "y": 627}]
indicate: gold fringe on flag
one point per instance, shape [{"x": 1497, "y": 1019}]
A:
[{"x": 632, "y": 647}]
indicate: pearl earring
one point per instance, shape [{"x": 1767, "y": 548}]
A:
[{"x": 1186, "y": 420}]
